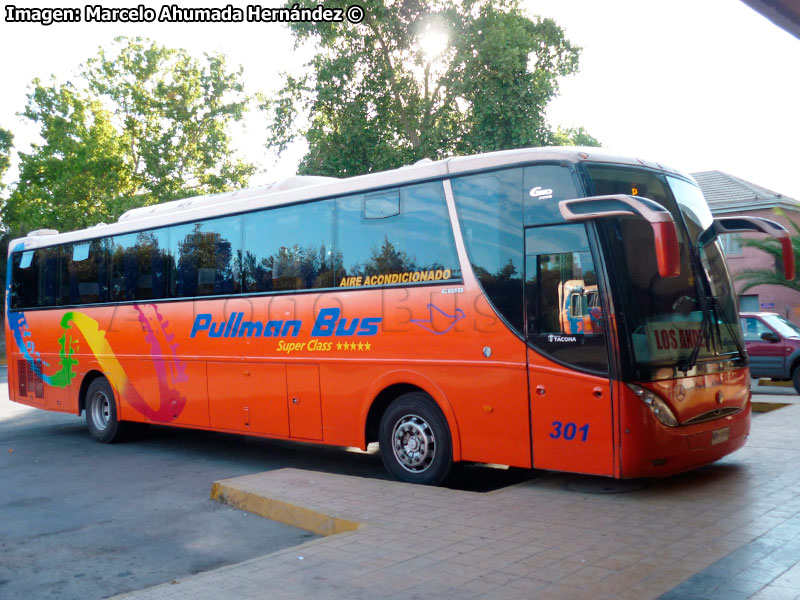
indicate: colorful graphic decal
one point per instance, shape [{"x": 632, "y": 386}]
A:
[
  {"x": 169, "y": 370},
  {"x": 449, "y": 320},
  {"x": 61, "y": 378}
]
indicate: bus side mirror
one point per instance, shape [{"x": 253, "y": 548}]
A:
[
  {"x": 757, "y": 224},
  {"x": 668, "y": 255}
]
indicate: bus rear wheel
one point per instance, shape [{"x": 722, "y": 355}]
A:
[
  {"x": 415, "y": 441},
  {"x": 101, "y": 413}
]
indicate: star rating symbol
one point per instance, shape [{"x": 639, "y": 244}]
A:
[{"x": 353, "y": 346}]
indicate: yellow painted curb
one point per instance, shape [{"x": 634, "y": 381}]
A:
[
  {"x": 775, "y": 383},
  {"x": 282, "y": 511},
  {"x": 765, "y": 407}
]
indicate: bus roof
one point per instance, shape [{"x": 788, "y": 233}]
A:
[{"x": 303, "y": 188}]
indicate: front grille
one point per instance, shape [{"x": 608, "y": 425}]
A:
[{"x": 713, "y": 414}]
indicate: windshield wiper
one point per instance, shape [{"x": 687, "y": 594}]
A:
[
  {"x": 708, "y": 303},
  {"x": 705, "y": 330},
  {"x": 739, "y": 348}
]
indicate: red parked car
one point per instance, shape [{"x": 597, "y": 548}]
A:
[{"x": 773, "y": 344}]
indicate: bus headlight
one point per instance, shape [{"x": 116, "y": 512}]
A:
[{"x": 656, "y": 405}]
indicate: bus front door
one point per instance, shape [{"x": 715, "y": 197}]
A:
[{"x": 570, "y": 390}]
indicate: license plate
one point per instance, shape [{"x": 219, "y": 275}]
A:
[{"x": 720, "y": 435}]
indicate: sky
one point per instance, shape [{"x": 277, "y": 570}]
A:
[{"x": 695, "y": 84}]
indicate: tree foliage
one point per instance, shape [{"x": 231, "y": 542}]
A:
[
  {"x": 6, "y": 143},
  {"x": 375, "y": 97},
  {"x": 754, "y": 277},
  {"x": 574, "y": 136},
  {"x": 78, "y": 175},
  {"x": 142, "y": 124},
  {"x": 174, "y": 113}
]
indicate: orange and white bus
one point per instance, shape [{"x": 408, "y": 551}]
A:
[{"x": 418, "y": 308}]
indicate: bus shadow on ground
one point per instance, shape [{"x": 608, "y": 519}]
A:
[
  {"x": 712, "y": 475},
  {"x": 697, "y": 480},
  {"x": 232, "y": 455},
  {"x": 263, "y": 454},
  {"x": 484, "y": 478}
]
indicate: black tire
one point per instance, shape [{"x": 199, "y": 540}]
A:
[
  {"x": 796, "y": 379},
  {"x": 101, "y": 413},
  {"x": 415, "y": 440}
]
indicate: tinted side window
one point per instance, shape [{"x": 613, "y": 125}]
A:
[
  {"x": 25, "y": 280},
  {"x": 565, "y": 318},
  {"x": 47, "y": 259},
  {"x": 289, "y": 248},
  {"x": 207, "y": 257},
  {"x": 545, "y": 186},
  {"x": 140, "y": 266},
  {"x": 490, "y": 211},
  {"x": 59, "y": 275},
  {"x": 84, "y": 272},
  {"x": 395, "y": 236}
]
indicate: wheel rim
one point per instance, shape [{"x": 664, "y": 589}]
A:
[
  {"x": 101, "y": 410},
  {"x": 413, "y": 443}
]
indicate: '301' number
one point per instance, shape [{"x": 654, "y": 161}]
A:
[{"x": 568, "y": 431}]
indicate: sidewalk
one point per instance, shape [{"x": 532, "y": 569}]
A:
[{"x": 730, "y": 530}]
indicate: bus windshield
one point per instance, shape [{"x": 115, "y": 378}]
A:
[{"x": 661, "y": 319}]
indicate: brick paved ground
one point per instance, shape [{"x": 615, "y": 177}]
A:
[{"x": 730, "y": 530}]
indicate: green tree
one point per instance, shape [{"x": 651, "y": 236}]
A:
[
  {"x": 78, "y": 176},
  {"x": 142, "y": 124},
  {"x": 6, "y": 143},
  {"x": 377, "y": 95},
  {"x": 754, "y": 277},
  {"x": 574, "y": 137},
  {"x": 173, "y": 112}
]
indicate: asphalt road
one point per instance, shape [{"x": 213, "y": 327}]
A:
[
  {"x": 79, "y": 519},
  {"x": 85, "y": 520}
]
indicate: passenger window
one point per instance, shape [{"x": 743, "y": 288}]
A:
[
  {"x": 490, "y": 211},
  {"x": 140, "y": 266},
  {"x": 25, "y": 283},
  {"x": 394, "y": 238},
  {"x": 48, "y": 275},
  {"x": 208, "y": 257},
  {"x": 289, "y": 248},
  {"x": 84, "y": 272},
  {"x": 565, "y": 319}
]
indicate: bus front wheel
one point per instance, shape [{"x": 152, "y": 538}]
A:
[
  {"x": 415, "y": 441},
  {"x": 101, "y": 412}
]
